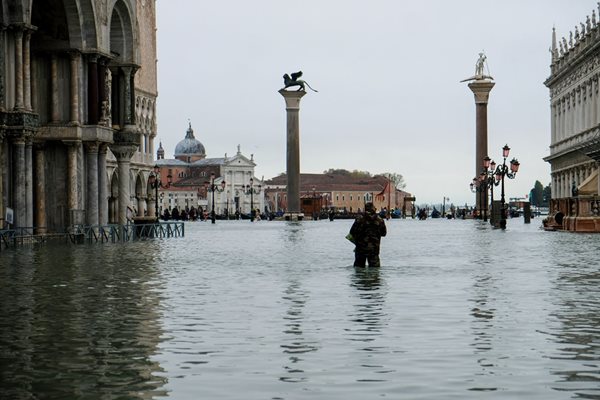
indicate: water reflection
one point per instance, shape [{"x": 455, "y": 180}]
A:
[
  {"x": 296, "y": 343},
  {"x": 369, "y": 308},
  {"x": 482, "y": 326},
  {"x": 79, "y": 324},
  {"x": 578, "y": 346}
]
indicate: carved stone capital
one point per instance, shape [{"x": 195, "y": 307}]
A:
[{"x": 92, "y": 147}]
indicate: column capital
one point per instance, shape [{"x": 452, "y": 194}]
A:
[
  {"x": 481, "y": 90},
  {"x": 72, "y": 143},
  {"x": 92, "y": 147},
  {"x": 292, "y": 98}
]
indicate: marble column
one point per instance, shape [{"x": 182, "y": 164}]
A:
[
  {"x": 34, "y": 88},
  {"x": 74, "y": 95},
  {"x": 123, "y": 153},
  {"x": 2, "y": 76},
  {"x": 29, "y": 180},
  {"x": 41, "y": 220},
  {"x": 54, "y": 102},
  {"x": 92, "y": 183},
  {"x": 292, "y": 107},
  {"x": 72, "y": 193},
  {"x": 93, "y": 104},
  {"x": 3, "y": 169},
  {"x": 19, "y": 69},
  {"x": 19, "y": 189},
  {"x": 128, "y": 74},
  {"x": 141, "y": 205},
  {"x": 102, "y": 185},
  {"x": 481, "y": 89},
  {"x": 27, "y": 70}
]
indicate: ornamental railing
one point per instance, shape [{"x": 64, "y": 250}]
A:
[{"x": 78, "y": 234}]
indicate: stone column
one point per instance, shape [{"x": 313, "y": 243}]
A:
[
  {"x": 3, "y": 169},
  {"x": 27, "y": 70},
  {"x": 19, "y": 189},
  {"x": 29, "y": 180},
  {"x": 141, "y": 205},
  {"x": 292, "y": 108},
  {"x": 54, "y": 103},
  {"x": 553, "y": 118},
  {"x": 19, "y": 69},
  {"x": 128, "y": 98},
  {"x": 72, "y": 204},
  {"x": 41, "y": 220},
  {"x": 93, "y": 104},
  {"x": 74, "y": 95},
  {"x": 481, "y": 90},
  {"x": 92, "y": 183},
  {"x": 102, "y": 185},
  {"x": 2, "y": 77},
  {"x": 123, "y": 153}
]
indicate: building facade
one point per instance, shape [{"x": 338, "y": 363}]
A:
[
  {"x": 343, "y": 193},
  {"x": 77, "y": 111},
  {"x": 192, "y": 176},
  {"x": 575, "y": 128}
]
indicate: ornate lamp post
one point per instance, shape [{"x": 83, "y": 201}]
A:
[
  {"x": 479, "y": 185},
  {"x": 156, "y": 183},
  {"x": 211, "y": 187},
  {"x": 501, "y": 172},
  {"x": 252, "y": 191}
]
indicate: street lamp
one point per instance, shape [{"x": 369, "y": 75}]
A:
[
  {"x": 489, "y": 170},
  {"x": 252, "y": 191},
  {"x": 155, "y": 183},
  {"x": 501, "y": 172},
  {"x": 211, "y": 187},
  {"x": 479, "y": 185},
  {"x": 444, "y": 206}
]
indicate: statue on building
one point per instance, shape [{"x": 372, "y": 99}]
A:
[
  {"x": 479, "y": 69},
  {"x": 295, "y": 81}
]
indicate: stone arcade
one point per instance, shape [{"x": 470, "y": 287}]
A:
[{"x": 77, "y": 111}]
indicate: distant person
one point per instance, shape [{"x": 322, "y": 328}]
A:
[{"x": 366, "y": 233}]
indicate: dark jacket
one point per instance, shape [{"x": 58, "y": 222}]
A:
[{"x": 367, "y": 231}]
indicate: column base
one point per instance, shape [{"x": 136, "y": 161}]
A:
[{"x": 293, "y": 216}]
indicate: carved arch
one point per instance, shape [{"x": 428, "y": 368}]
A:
[{"x": 122, "y": 34}]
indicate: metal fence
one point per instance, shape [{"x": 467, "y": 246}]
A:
[{"x": 79, "y": 234}]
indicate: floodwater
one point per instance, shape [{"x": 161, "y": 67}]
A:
[{"x": 275, "y": 310}]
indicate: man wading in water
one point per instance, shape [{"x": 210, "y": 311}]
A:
[{"x": 366, "y": 233}]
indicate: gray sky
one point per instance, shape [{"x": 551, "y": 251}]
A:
[{"x": 388, "y": 74}]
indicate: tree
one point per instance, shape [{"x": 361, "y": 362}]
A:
[
  {"x": 355, "y": 174},
  {"x": 333, "y": 171},
  {"x": 547, "y": 195},
  {"x": 397, "y": 179},
  {"x": 536, "y": 195}
]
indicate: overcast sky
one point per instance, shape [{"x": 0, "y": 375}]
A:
[{"x": 388, "y": 74}]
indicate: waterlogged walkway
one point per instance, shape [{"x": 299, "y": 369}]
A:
[{"x": 275, "y": 310}]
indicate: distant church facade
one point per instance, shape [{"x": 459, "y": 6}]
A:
[
  {"x": 77, "y": 111},
  {"x": 575, "y": 128},
  {"x": 190, "y": 171}
]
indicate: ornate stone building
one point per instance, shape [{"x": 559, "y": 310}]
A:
[
  {"x": 77, "y": 110},
  {"x": 190, "y": 171},
  {"x": 575, "y": 127}
]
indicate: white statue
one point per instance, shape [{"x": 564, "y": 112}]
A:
[{"x": 479, "y": 69}]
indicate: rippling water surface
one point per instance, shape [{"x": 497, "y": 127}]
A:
[{"x": 275, "y": 310}]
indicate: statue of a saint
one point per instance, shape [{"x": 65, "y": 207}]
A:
[{"x": 479, "y": 69}]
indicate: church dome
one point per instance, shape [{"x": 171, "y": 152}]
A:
[{"x": 190, "y": 147}]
